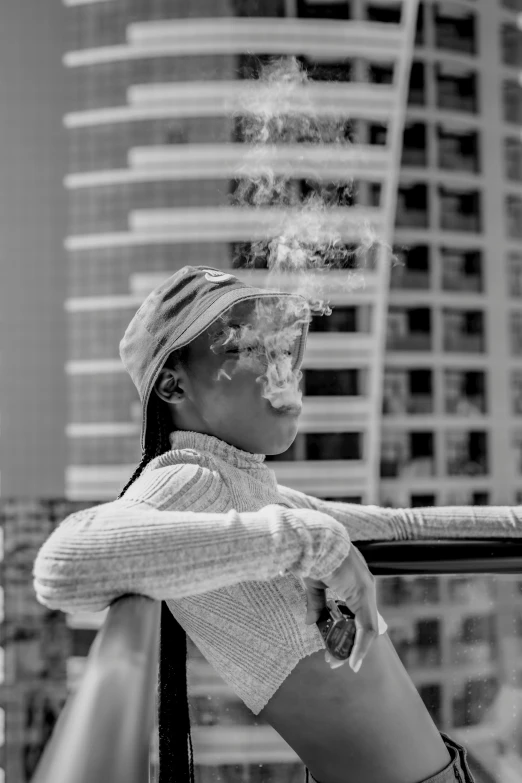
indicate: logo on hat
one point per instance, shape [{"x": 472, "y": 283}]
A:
[{"x": 214, "y": 276}]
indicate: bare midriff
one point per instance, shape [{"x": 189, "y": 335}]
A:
[{"x": 367, "y": 727}]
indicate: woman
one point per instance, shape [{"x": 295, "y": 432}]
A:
[{"x": 211, "y": 412}]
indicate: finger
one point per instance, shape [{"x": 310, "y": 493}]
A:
[
  {"x": 367, "y": 625},
  {"x": 315, "y": 602}
]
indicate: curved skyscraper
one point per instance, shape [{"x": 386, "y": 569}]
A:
[
  {"x": 155, "y": 146},
  {"x": 413, "y": 389}
]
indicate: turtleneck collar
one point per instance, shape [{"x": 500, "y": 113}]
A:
[{"x": 185, "y": 439}]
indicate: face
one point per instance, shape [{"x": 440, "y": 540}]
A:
[{"x": 228, "y": 404}]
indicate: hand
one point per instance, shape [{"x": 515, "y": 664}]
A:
[{"x": 354, "y": 583}]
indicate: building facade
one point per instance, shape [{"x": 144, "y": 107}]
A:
[{"x": 404, "y": 383}]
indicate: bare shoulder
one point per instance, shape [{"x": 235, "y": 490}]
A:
[{"x": 368, "y": 726}]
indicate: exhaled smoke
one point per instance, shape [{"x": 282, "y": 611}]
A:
[{"x": 308, "y": 221}]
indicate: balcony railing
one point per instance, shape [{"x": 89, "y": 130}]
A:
[
  {"x": 467, "y": 343},
  {"x": 413, "y": 156},
  {"x": 411, "y": 218},
  {"x": 467, "y": 467},
  {"x": 471, "y": 283},
  {"x": 453, "y": 221},
  {"x": 104, "y": 730},
  {"x": 411, "y": 279},
  {"x": 412, "y": 404},
  {"x": 448, "y": 38},
  {"x": 466, "y": 405},
  {"x": 419, "y": 341}
]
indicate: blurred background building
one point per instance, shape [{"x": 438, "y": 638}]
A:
[{"x": 413, "y": 386}]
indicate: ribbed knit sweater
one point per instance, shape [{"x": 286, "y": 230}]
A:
[{"x": 207, "y": 528}]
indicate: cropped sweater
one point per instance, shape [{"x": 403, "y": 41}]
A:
[{"x": 233, "y": 575}]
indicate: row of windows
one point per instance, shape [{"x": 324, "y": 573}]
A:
[
  {"x": 106, "y": 146},
  {"x": 412, "y": 392},
  {"x": 408, "y": 328},
  {"x": 94, "y": 26},
  {"x": 455, "y": 150},
  {"x": 403, "y": 454},
  {"x": 104, "y": 271},
  {"x": 109, "y": 270},
  {"x": 110, "y": 398},
  {"x": 412, "y": 454},
  {"x": 105, "y": 84},
  {"x": 96, "y": 336},
  {"x": 460, "y": 210},
  {"x": 406, "y": 392},
  {"x": 107, "y": 208},
  {"x": 104, "y": 24}
]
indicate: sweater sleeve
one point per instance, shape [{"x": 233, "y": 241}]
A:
[
  {"x": 374, "y": 523},
  {"x": 129, "y": 545}
]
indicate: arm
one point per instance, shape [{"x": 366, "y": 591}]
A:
[
  {"x": 373, "y": 523},
  {"x": 130, "y": 546}
]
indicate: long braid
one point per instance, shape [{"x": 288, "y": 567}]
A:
[{"x": 175, "y": 741}]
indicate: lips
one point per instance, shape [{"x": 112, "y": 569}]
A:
[{"x": 288, "y": 410}]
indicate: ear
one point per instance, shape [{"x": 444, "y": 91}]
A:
[{"x": 169, "y": 386}]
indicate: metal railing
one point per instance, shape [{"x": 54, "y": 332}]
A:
[{"x": 104, "y": 730}]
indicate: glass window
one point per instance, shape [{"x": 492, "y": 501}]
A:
[
  {"x": 512, "y": 101},
  {"x": 516, "y": 392},
  {"x": 324, "y": 9},
  {"x": 333, "y": 445},
  {"x": 515, "y": 332},
  {"x": 511, "y": 45},
  {"x": 332, "y": 382},
  {"x": 389, "y": 13},
  {"x": 514, "y": 274},
  {"x": 342, "y": 319},
  {"x": 417, "y": 84},
  {"x": 514, "y": 216}
]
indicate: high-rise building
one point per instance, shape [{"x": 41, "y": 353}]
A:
[
  {"x": 33, "y": 351},
  {"x": 403, "y": 385}
]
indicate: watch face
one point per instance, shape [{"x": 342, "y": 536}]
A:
[{"x": 341, "y": 638}]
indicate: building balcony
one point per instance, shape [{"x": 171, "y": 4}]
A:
[
  {"x": 465, "y": 343},
  {"x": 455, "y": 162},
  {"x": 413, "y": 156},
  {"x": 414, "y": 656},
  {"x": 453, "y": 101},
  {"x": 416, "y": 96},
  {"x": 419, "y": 341},
  {"x": 466, "y": 405},
  {"x": 416, "y": 467},
  {"x": 448, "y": 38},
  {"x": 467, "y": 467},
  {"x": 414, "y": 404},
  {"x": 462, "y": 653},
  {"x": 409, "y": 279},
  {"x": 464, "y": 283},
  {"x": 453, "y": 221},
  {"x": 411, "y": 218}
]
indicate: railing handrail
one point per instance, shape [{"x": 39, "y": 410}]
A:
[{"x": 103, "y": 733}]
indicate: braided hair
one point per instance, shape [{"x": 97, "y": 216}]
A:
[{"x": 175, "y": 742}]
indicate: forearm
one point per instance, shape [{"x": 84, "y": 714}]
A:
[
  {"x": 376, "y": 523},
  {"x": 123, "y": 547}
]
